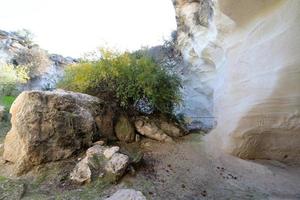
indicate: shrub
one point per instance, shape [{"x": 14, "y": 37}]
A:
[
  {"x": 10, "y": 77},
  {"x": 126, "y": 78}
]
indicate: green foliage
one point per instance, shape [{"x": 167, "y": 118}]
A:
[
  {"x": 128, "y": 78},
  {"x": 7, "y": 101},
  {"x": 10, "y": 77}
]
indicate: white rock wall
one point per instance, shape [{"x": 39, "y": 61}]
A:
[{"x": 255, "y": 75}]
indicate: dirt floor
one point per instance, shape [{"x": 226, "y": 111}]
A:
[{"x": 187, "y": 170}]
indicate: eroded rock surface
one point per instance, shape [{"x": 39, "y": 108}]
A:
[
  {"x": 50, "y": 126},
  {"x": 243, "y": 57}
]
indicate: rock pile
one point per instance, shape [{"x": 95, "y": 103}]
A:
[
  {"x": 51, "y": 126},
  {"x": 99, "y": 162}
]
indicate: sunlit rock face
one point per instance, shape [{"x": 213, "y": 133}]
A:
[{"x": 245, "y": 57}]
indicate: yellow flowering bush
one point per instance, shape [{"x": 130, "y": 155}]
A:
[{"x": 127, "y": 79}]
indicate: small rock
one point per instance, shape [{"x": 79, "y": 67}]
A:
[
  {"x": 127, "y": 194},
  {"x": 82, "y": 172},
  {"x": 148, "y": 128},
  {"x": 117, "y": 164},
  {"x": 95, "y": 150}
]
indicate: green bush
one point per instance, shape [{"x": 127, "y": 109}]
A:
[
  {"x": 127, "y": 79},
  {"x": 10, "y": 78},
  {"x": 7, "y": 101}
]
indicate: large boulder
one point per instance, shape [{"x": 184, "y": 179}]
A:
[
  {"x": 124, "y": 130},
  {"x": 127, "y": 194},
  {"x": 50, "y": 126}
]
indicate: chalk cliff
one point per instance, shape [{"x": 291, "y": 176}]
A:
[{"x": 244, "y": 58}]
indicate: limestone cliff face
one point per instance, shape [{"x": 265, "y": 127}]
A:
[
  {"x": 194, "y": 37},
  {"x": 246, "y": 57}
]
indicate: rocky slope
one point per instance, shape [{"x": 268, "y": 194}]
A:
[
  {"x": 244, "y": 57},
  {"x": 14, "y": 43}
]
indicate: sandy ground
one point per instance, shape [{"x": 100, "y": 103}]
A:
[{"x": 190, "y": 170}]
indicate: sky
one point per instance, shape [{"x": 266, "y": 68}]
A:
[{"x": 75, "y": 27}]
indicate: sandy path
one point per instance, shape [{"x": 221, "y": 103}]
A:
[{"x": 188, "y": 170}]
